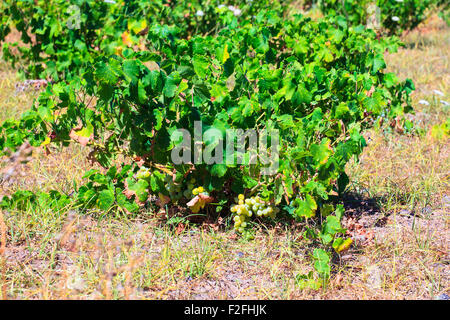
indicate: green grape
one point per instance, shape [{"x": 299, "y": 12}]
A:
[
  {"x": 246, "y": 208},
  {"x": 187, "y": 193}
]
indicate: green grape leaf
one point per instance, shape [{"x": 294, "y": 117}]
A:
[{"x": 106, "y": 199}]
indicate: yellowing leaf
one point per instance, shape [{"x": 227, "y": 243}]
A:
[
  {"x": 341, "y": 245},
  {"x": 82, "y": 135},
  {"x": 118, "y": 51},
  {"x": 137, "y": 26},
  {"x": 163, "y": 200},
  {"x": 321, "y": 152},
  {"x": 305, "y": 208},
  {"x": 126, "y": 39},
  {"x": 439, "y": 132},
  {"x": 226, "y": 55},
  {"x": 46, "y": 141},
  {"x": 199, "y": 202}
]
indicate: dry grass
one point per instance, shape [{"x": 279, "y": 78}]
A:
[{"x": 65, "y": 255}]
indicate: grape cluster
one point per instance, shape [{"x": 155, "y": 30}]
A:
[
  {"x": 179, "y": 190},
  {"x": 246, "y": 208}
]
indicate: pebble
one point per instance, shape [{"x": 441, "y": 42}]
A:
[
  {"x": 446, "y": 201},
  {"x": 346, "y": 257},
  {"x": 405, "y": 213},
  {"x": 442, "y": 297},
  {"x": 374, "y": 277},
  {"x": 427, "y": 210},
  {"x": 76, "y": 283},
  {"x": 439, "y": 93},
  {"x": 359, "y": 239}
]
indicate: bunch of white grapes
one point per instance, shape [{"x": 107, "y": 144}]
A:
[
  {"x": 246, "y": 208},
  {"x": 180, "y": 190}
]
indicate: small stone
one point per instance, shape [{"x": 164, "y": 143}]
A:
[
  {"x": 347, "y": 257},
  {"x": 446, "y": 201},
  {"x": 374, "y": 277},
  {"x": 359, "y": 239},
  {"x": 427, "y": 210},
  {"x": 405, "y": 212},
  {"x": 240, "y": 254},
  {"x": 76, "y": 283},
  {"x": 442, "y": 297},
  {"x": 439, "y": 93}
]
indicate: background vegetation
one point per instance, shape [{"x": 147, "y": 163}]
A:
[{"x": 395, "y": 198}]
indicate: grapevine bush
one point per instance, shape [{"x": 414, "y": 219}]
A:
[
  {"x": 395, "y": 16},
  {"x": 137, "y": 71},
  {"x": 62, "y": 37}
]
